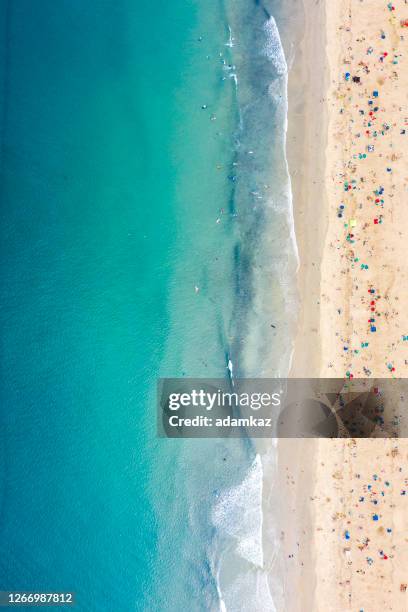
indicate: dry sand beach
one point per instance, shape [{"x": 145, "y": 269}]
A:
[{"x": 346, "y": 515}]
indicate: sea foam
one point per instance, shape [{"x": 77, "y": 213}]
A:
[
  {"x": 273, "y": 46},
  {"x": 238, "y": 514},
  {"x": 266, "y": 269}
]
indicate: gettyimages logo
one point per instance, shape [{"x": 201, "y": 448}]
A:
[{"x": 286, "y": 408}]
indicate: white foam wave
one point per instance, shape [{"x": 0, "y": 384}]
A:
[
  {"x": 231, "y": 39},
  {"x": 273, "y": 48},
  {"x": 238, "y": 514}
]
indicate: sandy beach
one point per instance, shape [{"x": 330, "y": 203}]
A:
[{"x": 345, "y": 525}]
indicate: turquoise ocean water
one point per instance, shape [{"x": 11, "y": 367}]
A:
[{"x": 142, "y": 169}]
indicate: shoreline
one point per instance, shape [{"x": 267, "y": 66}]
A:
[
  {"x": 306, "y": 145},
  {"x": 305, "y": 148}
]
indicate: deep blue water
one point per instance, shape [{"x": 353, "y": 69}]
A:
[{"x": 87, "y": 203}]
